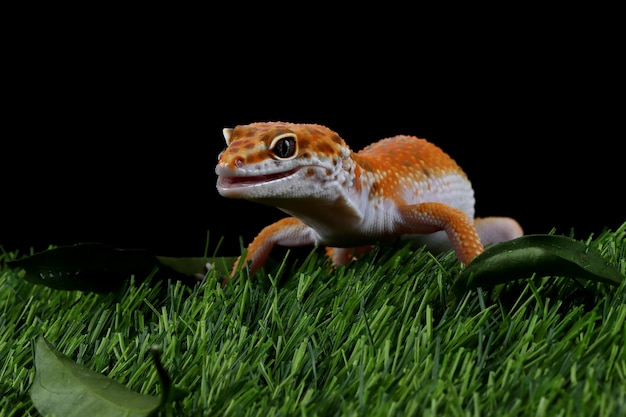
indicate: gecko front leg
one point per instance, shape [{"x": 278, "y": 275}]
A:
[
  {"x": 285, "y": 232},
  {"x": 432, "y": 217}
]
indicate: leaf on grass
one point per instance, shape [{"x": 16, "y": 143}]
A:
[
  {"x": 543, "y": 255},
  {"x": 95, "y": 267},
  {"x": 193, "y": 266},
  {"x": 64, "y": 388}
]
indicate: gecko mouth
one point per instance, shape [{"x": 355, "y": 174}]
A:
[{"x": 248, "y": 181}]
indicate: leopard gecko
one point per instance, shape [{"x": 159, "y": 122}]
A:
[{"x": 349, "y": 201}]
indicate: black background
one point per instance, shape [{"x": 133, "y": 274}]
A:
[{"x": 112, "y": 128}]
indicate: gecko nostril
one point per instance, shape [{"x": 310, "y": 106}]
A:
[{"x": 239, "y": 162}]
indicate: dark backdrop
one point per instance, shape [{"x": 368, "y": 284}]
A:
[{"x": 114, "y": 139}]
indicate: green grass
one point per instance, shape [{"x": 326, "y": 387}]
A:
[{"x": 374, "y": 338}]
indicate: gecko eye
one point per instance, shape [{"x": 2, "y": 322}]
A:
[{"x": 284, "y": 146}]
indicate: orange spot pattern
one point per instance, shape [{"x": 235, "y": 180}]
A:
[{"x": 396, "y": 164}]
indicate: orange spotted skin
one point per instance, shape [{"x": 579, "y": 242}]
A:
[
  {"x": 348, "y": 201},
  {"x": 402, "y": 162}
]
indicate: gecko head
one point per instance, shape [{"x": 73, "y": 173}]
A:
[{"x": 277, "y": 161}]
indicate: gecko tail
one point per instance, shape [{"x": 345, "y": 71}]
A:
[{"x": 493, "y": 230}]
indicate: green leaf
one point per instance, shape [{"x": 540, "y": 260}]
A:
[
  {"x": 65, "y": 388},
  {"x": 193, "y": 266},
  {"x": 542, "y": 255},
  {"x": 95, "y": 267}
]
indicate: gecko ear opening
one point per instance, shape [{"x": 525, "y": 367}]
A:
[{"x": 227, "y": 131}]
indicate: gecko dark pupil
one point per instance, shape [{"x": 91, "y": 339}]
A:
[{"x": 285, "y": 147}]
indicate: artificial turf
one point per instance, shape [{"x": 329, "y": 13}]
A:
[{"x": 372, "y": 338}]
